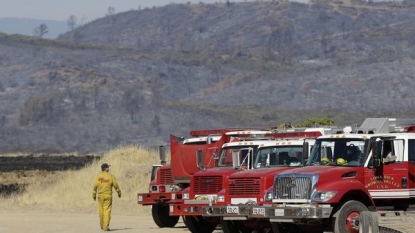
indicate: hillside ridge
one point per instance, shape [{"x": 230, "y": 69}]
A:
[{"x": 137, "y": 76}]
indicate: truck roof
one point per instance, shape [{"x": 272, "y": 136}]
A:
[
  {"x": 367, "y": 136},
  {"x": 296, "y": 142},
  {"x": 347, "y": 135},
  {"x": 300, "y": 133},
  {"x": 206, "y": 132},
  {"x": 249, "y": 132},
  {"x": 243, "y": 135},
  {"x": 244, "y": 143},
  {"x": 200, "y": 139},
  {"x": 386, "y": 125}
]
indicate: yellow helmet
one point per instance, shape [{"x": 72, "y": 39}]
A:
[
  {"x": 202, "y": 198},
  {"x": 341, "y": 161},
  {"x": 325, "y": 161}
]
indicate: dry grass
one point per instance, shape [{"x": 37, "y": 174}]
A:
[{"x": 71, "y": 191}]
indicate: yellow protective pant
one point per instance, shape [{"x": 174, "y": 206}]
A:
[{"x": 104, "y": 209}]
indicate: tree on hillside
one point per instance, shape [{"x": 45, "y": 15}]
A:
[
  {"x": 72, "y": 22},
  {"x": 131, "y": 102},
  {"x": 111, "y": 11},
  {"x": 156, "y": 124},
  {"x": 186, "y": 75},
  {"x": 37, "y": 109},
  {"x": 40, "y": 31},
  {"x": 281, "y": 37},
  {"x": 215, "y": 65},
  {"x": 73, "y": 26},
  {"x": 312, "y": 122}
]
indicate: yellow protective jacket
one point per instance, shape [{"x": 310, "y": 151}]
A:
[{"x": 103, "y": 185}]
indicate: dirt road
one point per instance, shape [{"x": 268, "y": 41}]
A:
[{"x": 31, "y": 222}]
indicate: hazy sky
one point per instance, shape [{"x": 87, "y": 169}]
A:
[{"x": 91, "y": 9}]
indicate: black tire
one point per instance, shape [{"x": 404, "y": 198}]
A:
[
  {"x": 264, "y": 230},
  {"x": 374, "y": 222},
  {"x": 368, "y": 222},
  {"x": 198, "y": 224},
  {"x": 161, "y": 216},
  {"x": 230, "y": 226},
  {"x": 278, "y": 227},
  {"x": 364, "y": 224},
  {"x": 348, "y": 215},
  {"x": 184, "y": 220}
]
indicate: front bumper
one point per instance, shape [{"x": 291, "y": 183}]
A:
[
  {"x": 189, "y": 208},
  {"x": 155, "y": 198},
  {"x": 228, "y": 212},
  {"x": 290, "y": 213}
]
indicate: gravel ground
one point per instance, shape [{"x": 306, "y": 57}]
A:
[
  {"x": 39, "y": 222},
  {"x": 35, "y": 222}
]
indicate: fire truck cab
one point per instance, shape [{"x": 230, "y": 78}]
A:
[
  {"x": 168, "y": 180},
  {"x": 250, "y": 187},
  {"x": 235, "y": 158},
  {"x": 206, "y": 183},
  {"x": 346, "y": 174}
]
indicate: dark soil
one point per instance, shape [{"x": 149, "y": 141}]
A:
[
  {"x": 47, "y": 163},
  {"x": 44, "y": 162},
  {"x": 9, "y": 189}
]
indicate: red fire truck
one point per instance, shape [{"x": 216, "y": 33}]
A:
[
  {"x": 249, "y": 187},
  {"x": 168, "y": 181},
  {"x": 346, "y": 175},
  {"x": 206, "y": 184}
]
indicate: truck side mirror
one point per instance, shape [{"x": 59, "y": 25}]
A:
[
  {"x": 376, "y": 153},
  {"x": 209, "y": 140},
  {"x": 236, "y": 159},
  {"x": 200, "y": 157},
  {"x": 154, "y": 172},
  {"x": 249, "y": 157},
  {"x": 215, "y": 153},
  {"x": 306, "y": 151},
  {"x": 162, "y": 153},
  {"x": 267, "y": 161}
]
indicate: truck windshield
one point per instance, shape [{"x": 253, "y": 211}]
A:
[
  {"x": 337, "y": 152},
  {"x": 279, "y": 156},
  {"x": 225, "y": 159}
]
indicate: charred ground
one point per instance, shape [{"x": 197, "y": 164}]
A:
[{"x": 19, "y": 171}]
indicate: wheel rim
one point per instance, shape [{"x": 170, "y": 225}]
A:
[{"x": 352, "y": 222}]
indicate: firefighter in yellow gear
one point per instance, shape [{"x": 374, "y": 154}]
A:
[{"x": 103, "y": 187}]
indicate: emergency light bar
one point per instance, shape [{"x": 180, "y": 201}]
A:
[
  {"x": 250, "y": 134},
  {"x": 288, "y": 135},
  {"x": 410, "y": 129},
  {"x": 207, "y": 132}
]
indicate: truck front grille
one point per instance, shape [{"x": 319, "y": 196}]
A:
[
  {"x": 207, "y": 184},
  {"x": 166, "y": 176},
  {"x": 244, "y": 186},
  {"x": 292, "y": 188}
]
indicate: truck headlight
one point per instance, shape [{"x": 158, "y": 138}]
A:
[
  {"x": 324, "y": 196},
  {"x": 186, "y": 196},
  {"x": 221, "y": 198},
  {"x": 268, "y": 196}
]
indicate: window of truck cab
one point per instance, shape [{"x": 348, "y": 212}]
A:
[
  {"x": 396, "y": 148},
  {"x": 411, "y": 150},
  {"x": 279, "y": 156},
  {"x": 338, "y": 152},
  {"x": 225, "y": 159}
]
